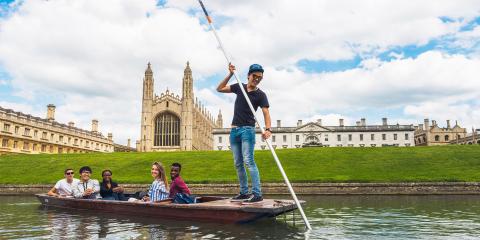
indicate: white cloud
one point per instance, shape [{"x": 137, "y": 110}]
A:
[{"x": 91, "y": 55}]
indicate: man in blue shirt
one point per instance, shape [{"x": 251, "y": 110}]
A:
[{"x": 242, "y": 135}]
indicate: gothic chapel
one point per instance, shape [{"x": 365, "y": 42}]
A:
[{"x": 174, "y": 123}]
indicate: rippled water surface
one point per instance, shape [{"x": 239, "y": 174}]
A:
[{"x": 332, "y": 217}]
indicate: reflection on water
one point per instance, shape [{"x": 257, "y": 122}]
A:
[{"x": 332, "y": 217}]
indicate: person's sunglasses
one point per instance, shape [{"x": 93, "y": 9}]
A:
[
  {"x": 257, "y": 77},
  {"x": 69, "y": 173}
]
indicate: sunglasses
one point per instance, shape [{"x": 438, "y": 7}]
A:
[
  {"x": 257, "y": 77},
  {"x": 69, "y": 173}
]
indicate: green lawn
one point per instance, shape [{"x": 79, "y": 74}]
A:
[{"x": 388, "y": 164}]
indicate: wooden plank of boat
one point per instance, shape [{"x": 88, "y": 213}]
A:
[{"x": 215, "y": 209}]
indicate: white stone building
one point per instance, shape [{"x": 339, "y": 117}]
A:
[{"x": 315, "y": 134}]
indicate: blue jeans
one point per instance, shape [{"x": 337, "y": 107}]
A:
[{"x": 242, "y": 142}]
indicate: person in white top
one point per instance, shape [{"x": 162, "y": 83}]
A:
[
  {"x": 87, "y": 188},
  {"x": 64, "y": 187}
]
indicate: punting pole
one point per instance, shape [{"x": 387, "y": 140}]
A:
[{"x": 210, "y": 22}]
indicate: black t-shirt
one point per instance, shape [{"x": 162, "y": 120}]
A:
[
  {"x": 105, "y": 191},
  {"x": 242, "y": 116}
]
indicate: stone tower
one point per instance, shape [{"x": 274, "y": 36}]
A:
[
  {"x": 147, "y": 101},
  {"x": 186, "y": 123},
  {"x": 219, "y": 122}
]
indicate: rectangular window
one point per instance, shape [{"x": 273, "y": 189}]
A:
[
  {"x": 34, "y": 147},
  {"x": 273, "y": 138},
  {"x": 6, "y": 127},
  {"x": 361, "y": 137},
  {"x": 75, "y": 141},
  {"x": 406, "y": 136},
  {"x": 220, "y": 139},
  {"x": 384, "y": 136},
  {"x": 44, "y": 148},
  {"x": 15, "y": 144},
  {"x": 51, "y": 149},
  {"x": 86, "y": 144},
  {"x": 35, "y": 133},
  {"x": 25, "y": 145},
  {"x": 339, "y": 137},
  {"x": 297, "y": 138},
  {"x": 284, "y": 138},
  {"x": 26, "y": 132},
  {"x": 5, "y": 143},
  {"x": 349, "y": 137},
  {"x": 372, "y": 137},
  {"x": 61, "y": 139},
  {"x": 51, "y": 136},
  {"x": 17, "y": 128},
  {"x": 69, "y": 140},
  {"x": 395, "y": 136},
  {"x": 44, "y": 135}
]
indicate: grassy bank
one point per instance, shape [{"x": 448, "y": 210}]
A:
[{"x": 414, "y": 164}]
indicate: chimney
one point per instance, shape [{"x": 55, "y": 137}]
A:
[
  {"x": 416, "y": 128},
  {"x": 420, "y": 127},
  {"x": 299, "y": 123},
  {"x": 358, "y": 123},
  {"x": 384, "y": 121},
  {"x": 50, "y": 112},
  {"x": 94, "y": 125},
  {"x": 110, "y": 136},
  {"x": 341, "y": 122},
  {"x": 279, "y": 123},
  {"x": 448, "y": 124},
  {"x": 434, "y": 123},
  {"x": 71, "y": 124},
  {"x": 319, "y": 121},
  {"x": 128, "y": 142},
  {"x": 363, "y": 122},
  {"x": 426, "y": 123}
]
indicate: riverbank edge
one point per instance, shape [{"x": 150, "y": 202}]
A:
[{"x": 420, "y": 188}]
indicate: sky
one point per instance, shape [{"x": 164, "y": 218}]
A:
[{"x": 323, "y": 59}]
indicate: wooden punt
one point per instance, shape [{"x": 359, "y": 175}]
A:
[{"x": 211, "y": 209}]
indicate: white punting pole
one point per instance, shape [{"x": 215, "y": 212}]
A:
[{"x": 210, "y": 22}]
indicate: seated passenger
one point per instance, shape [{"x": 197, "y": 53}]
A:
[
  {"x": 158, "y": 190},
  {"x": 64, "y": 187},
  {"x": 179, "y": 191},
  {"x": 86, "y": 187},
  {"x": 109, "y": 190}
]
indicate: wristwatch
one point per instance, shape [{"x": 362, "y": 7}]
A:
[{"x": 268, "y": 129}]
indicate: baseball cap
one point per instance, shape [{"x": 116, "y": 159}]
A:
[{"x": 255, "y": 68}]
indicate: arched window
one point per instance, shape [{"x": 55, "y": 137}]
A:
[
  {"x": 167, "y": 130},
  {"x": 437, "y": 138},
  {"x": 446, "y": 138}
]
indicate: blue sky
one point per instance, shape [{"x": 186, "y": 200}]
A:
[{"x": 394, "y": 66}]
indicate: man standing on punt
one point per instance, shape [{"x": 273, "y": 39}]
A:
[{"x": 242, "y": 135}]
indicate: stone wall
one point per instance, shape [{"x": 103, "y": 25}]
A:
[{"x": 300, "y": 188}]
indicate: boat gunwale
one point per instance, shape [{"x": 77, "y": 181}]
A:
[{"x": 251, "y": 208}]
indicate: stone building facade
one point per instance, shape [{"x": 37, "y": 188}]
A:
[
  {"x": 172, "y": 123},
  {"x": 315, "y": 134},
  {"x": 426, "y": 135},
  {"x": 24, "y": 133},
  {"x": 469, "y": 139}
]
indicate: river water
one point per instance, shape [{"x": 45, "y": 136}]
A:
[{"x": 331, "y": 217}]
